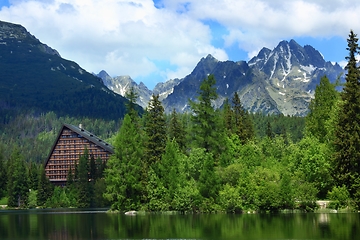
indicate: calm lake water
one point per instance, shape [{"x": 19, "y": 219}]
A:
[{"x": 74, "y": 224}]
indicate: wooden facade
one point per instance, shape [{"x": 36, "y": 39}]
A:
[{"x": 67, "y": 149}]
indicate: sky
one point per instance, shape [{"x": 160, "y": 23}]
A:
[{"x": 156, "y": 40}]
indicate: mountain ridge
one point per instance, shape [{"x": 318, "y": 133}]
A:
[
  {"x": 278, "y": 81},
  {"x": 35, "y": 77}
]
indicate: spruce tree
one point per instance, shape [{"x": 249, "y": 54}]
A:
[
  {"x": 155, "y": 130},
  {"x": 228, "y": 116},
  {"x": 18, "y": 183},
  {"x": 33, "y": 176},
  {"x": 123, "y": 175},
  {"x": 205, "y": 119},
  {"x": 347, "y": 132},
  {"x": 82, "y": 182},
  {"x": 131, "y": 95},
  {"x": 176, "y": 130},
  {"x": 243, "y": 125},
  {"x": 44, "y": 187}
]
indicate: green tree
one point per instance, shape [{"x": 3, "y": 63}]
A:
[
  {"x": 310, "y": 161},
  {"x": 44, "y": 188},
  {"x": 82, "y": 181},
  {"x": 18, "y": 184},
  {"x": 3, "y": 175},
  {"x": 206, "y": 130},
  {"x": 131, "y": 95},
  {"x": 92, "y": 169},
  {"x": 33, "y": 176},
  {"x": 243, "y": 124},
  {"x": 155, "y": 130},
  {"x": 320, "y": 110},
  {"x": 347, "y": 137},
  {"x": 228, "y": 116},
  {"x": 208, "y": 179},
  {"x": 123, "y": 175},
  {"x": 168, "y": 172},
  {"x": 176, "y": 130}
]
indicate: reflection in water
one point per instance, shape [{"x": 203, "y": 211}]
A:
[
  {"x": 51, "y": 224},
  {"x": 324, "y": 218}
]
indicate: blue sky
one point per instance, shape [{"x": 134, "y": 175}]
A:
[{"x": 153, "y": 41}]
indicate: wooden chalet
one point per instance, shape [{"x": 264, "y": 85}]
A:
[{"x": 67, "y": 149}]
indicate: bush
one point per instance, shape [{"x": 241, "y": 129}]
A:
[{"x": 339, "y": 197}]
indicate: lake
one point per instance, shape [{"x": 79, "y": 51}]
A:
[{"x": 97, "y": 224}]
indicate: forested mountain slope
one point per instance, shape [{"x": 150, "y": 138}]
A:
[{"x": 34, "y": 76}]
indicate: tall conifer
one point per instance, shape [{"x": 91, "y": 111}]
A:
[
  {"x": 123, "y": 175},
  {"x": 176, "y": 130},
  {"x": 347, "y": 132},
  {"x": 243, "y": 125},
  {"x": 18, "y": 185},
  {"x": 205, "y": 119},
  {"x": 155, "y": 129}
]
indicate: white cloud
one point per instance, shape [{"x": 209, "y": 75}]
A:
[
  {"x": 129, "y": 37},
  {"x": 122, "y": 37}
]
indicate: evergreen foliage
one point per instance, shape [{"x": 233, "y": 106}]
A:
[
  {"x": 131, "y": 106},
  {"x": 320, "y": 110},
  {"x": 155, "y": 130},
  {"x": 176, "y": 130},
  {"x": 123, "y": 175},
  {"x": 243, "y": 125},
  {"x": 44, "y": 189},
  {"x": 347, "y": 131},
  {"x": 3, "y": 174},
  {"x": 18, "y": 182},
  {"x": 206, "y": 161},
  {"x": 82, "y": 181},
  {"x": 207, "y": 131}
]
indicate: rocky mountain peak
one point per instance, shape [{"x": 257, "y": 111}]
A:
[{"x": 281, "y": 80}]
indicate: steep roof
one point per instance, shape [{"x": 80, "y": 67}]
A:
[
  {"x": 91, "y": 137},
  {"x": 86, "y": 134}
]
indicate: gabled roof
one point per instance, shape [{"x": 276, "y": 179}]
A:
[
  {"x": 86, "y": 134},
  {"x": 91, "y": 137}
]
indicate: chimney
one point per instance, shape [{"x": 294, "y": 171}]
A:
[{"x": 80, "y": 126}]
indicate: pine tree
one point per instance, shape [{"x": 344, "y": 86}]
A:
[
  {"x": 44, "y": 188},
  {"x": 228, "y": 116},
  {"x": 131, "y": 105},
  {"x": 347, "y": 132},
  {"x": 33, "y": 176},
  {"x": 176, "y": 130},
  {"x": 123, "y": 175},
  {"x": 205, "y": 120},
  {"x": 82, "y": 183},
  {"x": 155, "y": 130},
  {"x": 269, "y": 132},
  {"x": 92, "y": 168},
  {"x": 18, "y": 184},
  {"x": 243, "y": 125},
  {"x": 320, "y": 109}
]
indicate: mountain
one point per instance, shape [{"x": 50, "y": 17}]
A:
[
  {"x": 122, "y": 84},
  {"x": 35, "y": 77},
  {"x": 278, "y": 81},
  {"x": 292, "y": 73}
]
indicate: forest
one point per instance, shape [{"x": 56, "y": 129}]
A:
[{"x": 208, "y": 160}]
